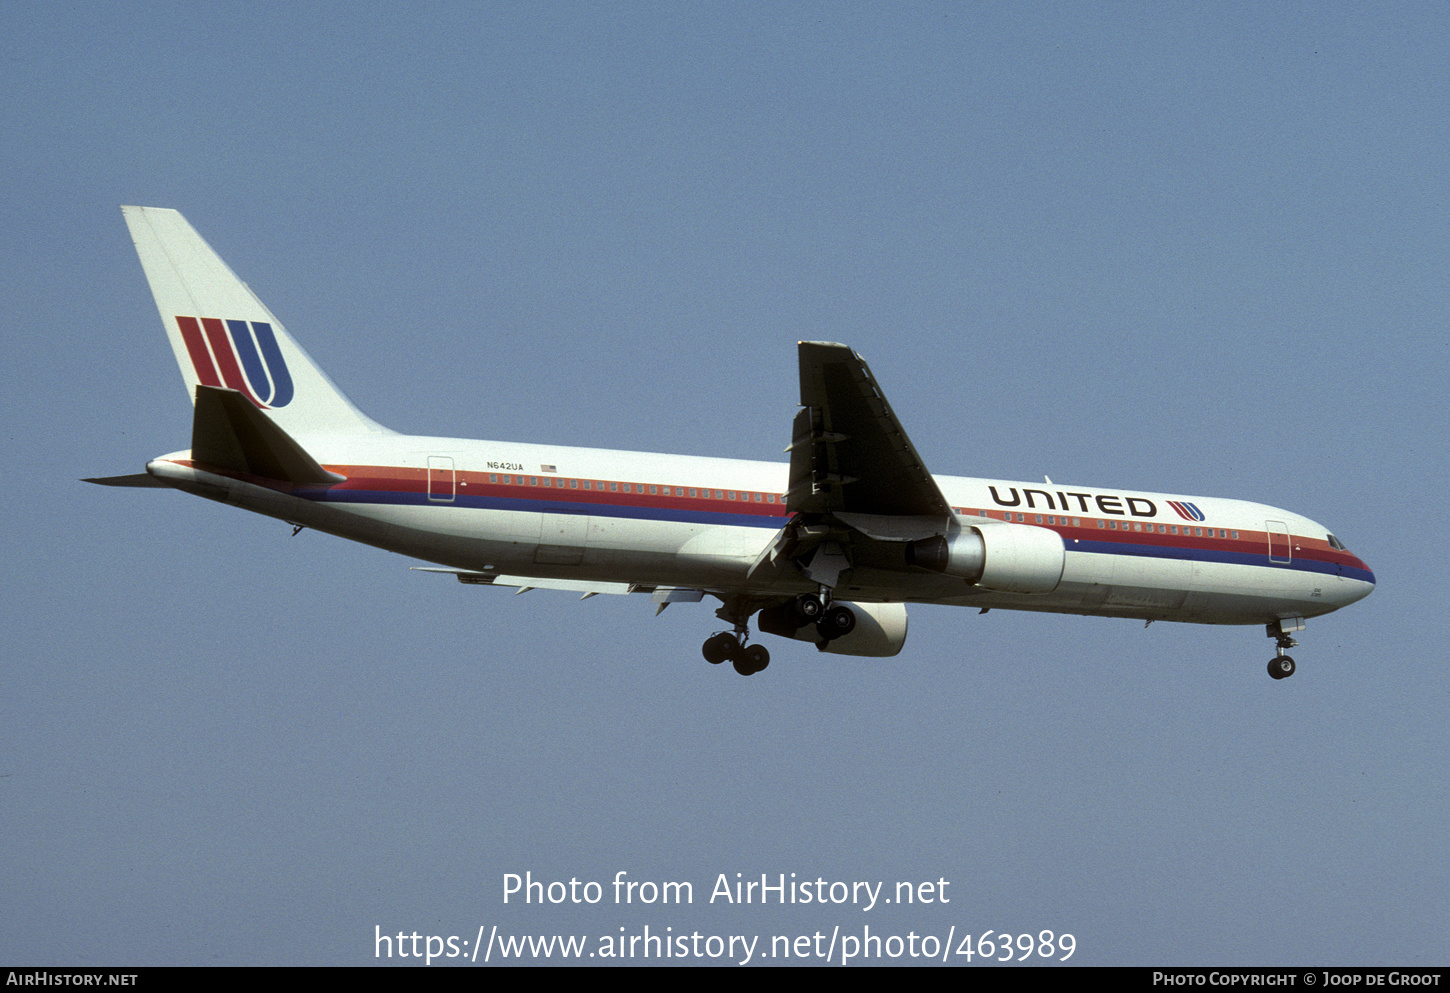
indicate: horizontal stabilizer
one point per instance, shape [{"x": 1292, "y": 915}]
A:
[
  {"x": 141, "y": 479},
  {"x": 229, "y": 432}
]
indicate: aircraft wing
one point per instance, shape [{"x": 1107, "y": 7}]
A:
[
  {"x": 858, "y": 492},
  {"x": 661, "y": 596},
  {"x": 848, "y": 452}
]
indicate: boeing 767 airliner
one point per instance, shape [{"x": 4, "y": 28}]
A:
[{"x": 828, "y": 549}]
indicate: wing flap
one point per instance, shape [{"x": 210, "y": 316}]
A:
[
  {"x": 662, "y": 595},
  {"x": 858, "y": 490}
]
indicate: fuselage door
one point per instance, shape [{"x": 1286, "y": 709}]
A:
[
  {"x": 440, "y": 479},
  {"x": 1279, "y": 546}
]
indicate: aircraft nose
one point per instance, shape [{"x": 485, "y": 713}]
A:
[{"x": 1356, "y": 581}]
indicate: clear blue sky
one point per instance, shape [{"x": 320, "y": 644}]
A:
[{"x": 1191, "y": 248}]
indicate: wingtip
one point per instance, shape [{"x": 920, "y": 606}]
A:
[{"x": 827, "y": 351}]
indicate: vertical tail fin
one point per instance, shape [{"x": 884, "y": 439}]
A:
[{"x": 224, "y": 336}]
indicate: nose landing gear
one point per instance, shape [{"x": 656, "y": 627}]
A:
[{"x": 1281, "y": 666}]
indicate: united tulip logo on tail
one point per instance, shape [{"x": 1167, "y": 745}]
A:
[{"x": 240, "y": 355}]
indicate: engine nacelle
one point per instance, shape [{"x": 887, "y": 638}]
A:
[
  {"x": 1012, "y": 558},
  {"x": 880, "y": 629}
]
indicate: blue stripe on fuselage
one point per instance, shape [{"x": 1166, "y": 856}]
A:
[
  {"x": 682, "y": 515},
  {"x": 1220, "y": 555},
  {"x": 686, "y": 515}
]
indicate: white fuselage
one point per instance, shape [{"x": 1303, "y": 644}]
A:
[{"x": 665, "y": 521}]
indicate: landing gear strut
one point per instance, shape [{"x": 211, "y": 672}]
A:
[{"x": 1281, "y": 666}]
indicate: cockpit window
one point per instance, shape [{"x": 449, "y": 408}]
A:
[{"x": 1336, "y": 543}]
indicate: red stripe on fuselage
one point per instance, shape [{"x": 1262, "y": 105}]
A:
[
  {"x": 402, "y": 479},
  {"x": 399, "y": 479}
]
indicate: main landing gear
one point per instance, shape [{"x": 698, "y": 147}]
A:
[
  {"x": 731, "y": 645},
  {"x": 831, "y": 621},
  {"x": 1281, "y": 666},
  {"x": 747, "y": 659}
]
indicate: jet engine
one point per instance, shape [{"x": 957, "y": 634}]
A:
[
  {"x": 1011, "y": 558},
  {"x": 879, "y": 631}
]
